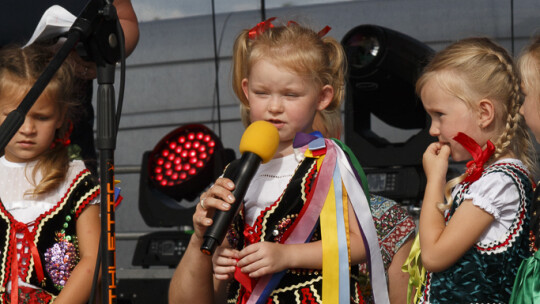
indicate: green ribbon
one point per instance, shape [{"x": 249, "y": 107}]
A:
[
  {"x": 527, "y": 284},
  {"x": 356, "y": 165}
]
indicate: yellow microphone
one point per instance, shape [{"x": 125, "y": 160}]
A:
[{"x": 258, "y": 144}]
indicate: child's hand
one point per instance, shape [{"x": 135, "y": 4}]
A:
[
  {"x": 435, "y": 161},
  {"x": 263, "y": 258},
  {"x": 224, "y": 262},
  {"x": 220, "y": 197}
]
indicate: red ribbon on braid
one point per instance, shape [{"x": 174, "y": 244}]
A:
[
  {"x": 19, "y": 227},
  {"x": 475, "y": 167}
]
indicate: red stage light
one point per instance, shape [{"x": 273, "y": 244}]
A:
[{"x": 180, "y": 156}]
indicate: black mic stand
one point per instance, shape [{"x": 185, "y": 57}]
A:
[
  {"x": 103, "y": 48},
  {"x": 96, "y": 29}
]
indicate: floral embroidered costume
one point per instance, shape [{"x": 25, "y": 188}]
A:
[
  {"x": 38, "y": 243},
  {"x": 394, "y": 227},
  {"x": 311, "y": 207},
  {"x": 486, "y": 272}
]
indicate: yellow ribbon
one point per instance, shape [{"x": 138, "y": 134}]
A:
[
  {"x": 417, "y": 272},
  {"x": 345, "y": 201},
  {"x": 330, "y": 291}
]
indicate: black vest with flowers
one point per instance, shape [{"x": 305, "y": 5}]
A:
[
  {"x": 486, "y": 273},
  {"x": 54, "y": 236}
]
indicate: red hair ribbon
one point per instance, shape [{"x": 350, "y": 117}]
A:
[
  {"x": 475, "y": 167},
  {"x": 291, "y": 22},
  {"x": 65, "y": 141},
  {"x": 324, "y": 31},
  {"x": 260, "y": 28}
]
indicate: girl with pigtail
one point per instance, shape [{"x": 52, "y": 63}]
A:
[
  {"x": 280, "y": 248},
  {"x": 472, "y": 245},
  {"x": 49, "y": 204}
]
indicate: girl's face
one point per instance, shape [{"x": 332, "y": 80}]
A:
[
  {"x": 530, "y": 109},
  {"x": 37, "y": 132},
  {"x": 450, "y": 115},
  {"x": 285, "y": 99}
]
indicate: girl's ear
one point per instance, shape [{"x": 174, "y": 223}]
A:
[
  {"x": 61, "y": 118},
  {"x": 326, "y": 96},
  {"x": 486, "y": 113},
  {"x": 245, "y": 87}
]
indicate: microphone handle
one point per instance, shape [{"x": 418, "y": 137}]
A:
[{"x": 241, "y": 176}]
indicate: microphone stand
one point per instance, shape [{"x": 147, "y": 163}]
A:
[{"x": 96, "y": 29}]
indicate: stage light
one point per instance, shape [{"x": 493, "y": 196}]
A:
[
  {"x": 383, "y": 67},
  {"x": 176, "y": 171}
]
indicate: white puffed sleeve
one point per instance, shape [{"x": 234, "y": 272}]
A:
[{"x": 496, "y": 194}]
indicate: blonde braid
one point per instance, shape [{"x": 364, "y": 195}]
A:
[
  {"x": 515, "y": 137},
  {"x": 504, "y": 142}
]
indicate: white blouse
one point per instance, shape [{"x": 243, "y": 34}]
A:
[
  {"x": 269, "y": 182},
  {"x": 16, "y": 180},
  {"x": 497, "y": 195}
]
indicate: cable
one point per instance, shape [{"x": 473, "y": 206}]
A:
[
  {"x": 263, "y": 10},
  {"x": 216, "y": 62},
  {"x": 512, "y": 25}
]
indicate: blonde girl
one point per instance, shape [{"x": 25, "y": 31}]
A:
[
  {"x": 287, "y": 75},
  {"x": 49, "y": 215},
  {"x": 472, "y": 245}
]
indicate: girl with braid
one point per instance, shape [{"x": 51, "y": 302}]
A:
[
  {"x": 49, "y": 205},
  {"x": 525, "y": 290},
  {"x": 472, "y": 244}
]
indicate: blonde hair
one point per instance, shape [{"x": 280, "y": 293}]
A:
[
  {"x": 529, "y": 68},
  {"x": 19, "y": 70},
  {"x": 477, "y": 68},
  {"x": 302, "y": 51}
]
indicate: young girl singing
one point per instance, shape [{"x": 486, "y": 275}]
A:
[
  {"x": 472, "y": 245},
  {"x": 305, "y": 210},
  {"x": 525, "y": 290},
  {"x": 49, "y": 216}
]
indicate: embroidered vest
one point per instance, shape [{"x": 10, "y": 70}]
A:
[
  {"x": 54, "y": 236},
  {"x": 297, "y": 285},
  {"x": 485, "y": 274}
]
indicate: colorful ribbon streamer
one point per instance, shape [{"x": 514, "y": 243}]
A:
[{"x": 417, "y": 273}]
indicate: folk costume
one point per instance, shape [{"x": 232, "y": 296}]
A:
[
  {"x": 486, "y": 272},
  {"x": 311, "y": 206},
  {"x": 394, "y": 226},
  {"x": 38, "y": 243}
]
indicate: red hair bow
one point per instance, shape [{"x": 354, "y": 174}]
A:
[
  {"x": 261, "y": 27},
  {"x": 475, "y": 167}
]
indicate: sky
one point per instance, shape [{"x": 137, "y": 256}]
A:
[{"x": 148, "y": 10}]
